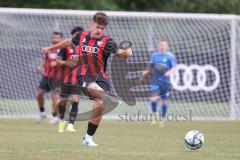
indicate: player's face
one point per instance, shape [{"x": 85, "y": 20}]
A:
[
  {"x": 163, "y": 46},
  {"x": 56, "y": 38},
  {"x": 97, "y": 29}
]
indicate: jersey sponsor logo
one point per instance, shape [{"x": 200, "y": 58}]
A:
[
  {"x": 74, "y": 57},
  {"x": 99, "y": 43},
  {"x": 84, "y": 84},
  {"x": 195, "y": 78},
  {"x": 52, "y": 55},
  {"x": 164, "y": 60},
  {"x": 90, "y": 49}
]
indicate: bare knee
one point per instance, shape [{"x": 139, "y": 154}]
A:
[
  {"x": 63, "y": 101},
  {"x": 154, "y": 98},
  {"x": 95, "y": 91},
  {"x": 75, "y": 98},
  {"x": 163, "y": 102},
  {"x": 98, "y": 109},
  {"x": 40, "y": 94},
  {"x": 55, "y": 98},
  {"x": 98, "y": 104}
]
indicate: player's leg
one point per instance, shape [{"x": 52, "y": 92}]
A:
[
  {"x": 73, "y": 113},
  {"x": 94, "y": 90},
  {"x": 40, "y": 99},
  {"x": 165, "y": 89},
  {"x": 64, "y": 96},
  {"x": 164, "y": 109},
  {"x": 42, "y": 89},
  {"x": 53, "y": 119},
  {"x": 154, "y": 98},
  {"x": 61, "y": 109},
  {"x": 102, "y": 102},
  {"x": 153, "y": 103}
]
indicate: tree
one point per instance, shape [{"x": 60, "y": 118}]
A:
[{"x": 192, "y": 6}]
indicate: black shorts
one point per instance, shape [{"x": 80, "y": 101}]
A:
[
  {"x": 69, "y": 89},
  {"x": 44, "y": 85},
  {"x": 101, "y": 81}
]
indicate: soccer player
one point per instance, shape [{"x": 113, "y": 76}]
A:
[
  {"x": 95, "y": 47},
  {"x": 63, "y": 56},
  {"x": 162, "y": 66},
  {"x": 49, "y": 64}
]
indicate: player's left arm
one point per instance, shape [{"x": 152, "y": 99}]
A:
[
  {"x": 124, "y": 53},
  {"x": 173, "y": 63},
  {"x": 170, "y": 72},
  {"x": 112, "y": 47}
]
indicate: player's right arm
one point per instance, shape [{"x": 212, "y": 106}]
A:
[
  {"x": 146, "y": 72},
  {"x": 173, "y": 63},
  {"x": 40, "y": 66},
  {"x": 61, "y": 59},
  {"x": 63, "y": 44}
]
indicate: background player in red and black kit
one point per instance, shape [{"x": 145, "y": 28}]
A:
[
  {"x": 64, "y": 55},
  {"x": 49, "y": 64},
  {"x": 95, "y": 48}
]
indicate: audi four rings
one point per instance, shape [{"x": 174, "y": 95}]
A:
[
  {"x": 188, "y": 78},
  {"x": 90, "y": 49}
]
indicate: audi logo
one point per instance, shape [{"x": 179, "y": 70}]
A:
[
  {"x": 188, "y": 77},
  {"x": 90, "y": 49}
]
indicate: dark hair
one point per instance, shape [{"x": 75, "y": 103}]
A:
[
  {"x": 58, "y": 33},
  {"x": 163, "y": 39},
  {"x": 101, "y": 18},
  {"x": 76, "y": 29}
]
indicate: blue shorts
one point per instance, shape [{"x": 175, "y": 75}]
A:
[{"x": 161, "y": 88}]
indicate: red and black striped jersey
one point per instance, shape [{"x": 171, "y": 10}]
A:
[
  {"x": 51, "y": 56},
  {"x": 93, "y": 54},
  {"x": 62, "y": 72}
]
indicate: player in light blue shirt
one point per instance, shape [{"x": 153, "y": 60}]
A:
[{"x": 162, "y": 66}]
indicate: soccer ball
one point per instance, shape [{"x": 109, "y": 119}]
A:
[{"x": 194, "y": 139}]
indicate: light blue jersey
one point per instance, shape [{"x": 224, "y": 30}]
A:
[{"x": 167, "y": 60}]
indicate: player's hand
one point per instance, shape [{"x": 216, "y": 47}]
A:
[
  {"x": 39, "y": 69},
  {"x": 125, "y": 53},
  {"x": 45, "y": 50},
  {"x": 140, "y": 80},
  {"x": 70, "y": 63},
  {"x": 129, "y": 52},
  {"x": 168, "y": 74},
  {"x": 74, "y": 58}
]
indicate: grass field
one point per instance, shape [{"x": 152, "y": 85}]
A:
[
  {"x": 29, "y": 108},
  {"x": 118, "y": 140}
]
